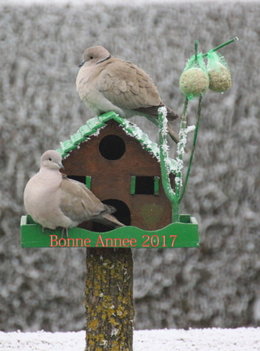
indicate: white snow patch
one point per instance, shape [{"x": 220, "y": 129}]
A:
[
  {"x": 163, "y": 111},
  {"x": 190, "y": 128},
  {"x": 240, "y": 339}
]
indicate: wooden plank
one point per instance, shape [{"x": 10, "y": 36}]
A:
[{"x": 174, "y": 235}]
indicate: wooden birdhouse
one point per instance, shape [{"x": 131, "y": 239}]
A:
[{"x": 118, "y": 162}]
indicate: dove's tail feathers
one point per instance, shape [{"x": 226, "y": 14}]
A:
[
  {"x": 110, "y": 221},
  {"x": 149, "y": 111},
  {"x": 153, "y": 111},
  {"x": 174, "y": 136},
  {"x": 171, "y": 115},
  {"x": 110, "y": 209}
]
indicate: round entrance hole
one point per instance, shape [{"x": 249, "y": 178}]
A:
[
  {"x": 112, "y": 147},
  {"x": 122, "y": 213}
]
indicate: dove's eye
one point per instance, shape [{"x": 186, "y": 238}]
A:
[
  {"x": 49, "y": 159},
  {"x": 91, "y": 57}
]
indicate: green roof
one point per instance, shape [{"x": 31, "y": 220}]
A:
[{"x": 95, "y": 124}]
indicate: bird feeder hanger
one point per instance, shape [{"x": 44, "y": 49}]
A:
[{"x": 175, "y": 196}]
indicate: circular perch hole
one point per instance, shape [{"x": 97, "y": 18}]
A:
[{"x": 112, "y": 147}]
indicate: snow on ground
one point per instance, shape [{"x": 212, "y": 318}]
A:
[{"x": 240, "y": 339}]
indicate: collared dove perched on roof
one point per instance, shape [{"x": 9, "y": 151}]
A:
[
  {"x": 107, "y": 83},
  {"x": 53, "y": 200}
]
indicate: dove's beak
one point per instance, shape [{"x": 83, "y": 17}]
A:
[
  {"x": 60, "y": 165},
  {"x": 82, "y": 63}
]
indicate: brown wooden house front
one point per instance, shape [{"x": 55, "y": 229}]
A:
[{"x": 114, "y": 161}]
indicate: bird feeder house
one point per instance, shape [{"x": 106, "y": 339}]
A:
[
  {"x": 118, "y": 162},
  {"x": 121, "y": 166}
]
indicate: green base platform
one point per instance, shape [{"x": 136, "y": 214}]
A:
[{"x": 181, "y": 234}]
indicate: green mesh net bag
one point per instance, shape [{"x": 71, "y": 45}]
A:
[
  {"x": 219, "y": 73},
  {"x": 194, "y": 80}
]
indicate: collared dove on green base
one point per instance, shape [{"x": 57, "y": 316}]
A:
[
  {"x": 107, "y": 83},
  {"x": 53, "y": 200}
]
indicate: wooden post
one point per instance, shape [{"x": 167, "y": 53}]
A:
[{"x": 109, "y": 299}]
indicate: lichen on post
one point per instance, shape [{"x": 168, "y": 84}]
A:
[{"x": 109, "y": 299}]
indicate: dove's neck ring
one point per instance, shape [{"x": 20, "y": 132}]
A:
[{"x": 104, "y": 59}]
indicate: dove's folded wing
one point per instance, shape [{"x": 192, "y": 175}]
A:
[
  {"x": 78, "y": 202},
  {"x": 127, "y": 86}
]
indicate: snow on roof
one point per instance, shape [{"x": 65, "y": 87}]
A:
[{"x": 95, "y": 124}]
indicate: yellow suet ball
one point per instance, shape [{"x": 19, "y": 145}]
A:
[
  {"x": 194, "y": 81},
  {"x": 219, "y": 78}
]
